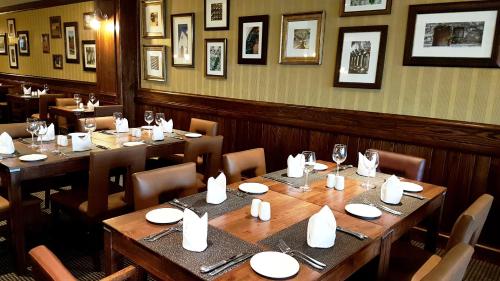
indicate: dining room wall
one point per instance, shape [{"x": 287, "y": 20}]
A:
[
  {"x": 39, "y": 64},
  {"x": 464, "y": 94}
]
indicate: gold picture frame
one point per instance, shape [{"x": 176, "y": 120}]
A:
[
  {"x": 155, "y": 63},
  {"x": 153, "y": 19}
]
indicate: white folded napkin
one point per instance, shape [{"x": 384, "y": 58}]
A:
[
  {"x": 122, "y": 125},
  {"x": 194, "y": 231},
  {"x": 6, "y": 144},
  {"x": 391, "y": 191},
  {"x": 157, "y": 134},
  {"x": 321, "y": 229},
  {"x": 91, "y": 105},
  {"x": 27, "y": 91},
  {"x": 81, "y": 142},
  {"x": 49, "y": 135},
  {"x": 365, "y": 166},
  {"x": 168, "y": 126},
  {"x": 216, "y": 189},
  {"x": 295, "y": 166},
  {"x": 41, "y": 92}
]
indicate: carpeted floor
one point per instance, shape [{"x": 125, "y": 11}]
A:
[{"x": 76, "y": 258}]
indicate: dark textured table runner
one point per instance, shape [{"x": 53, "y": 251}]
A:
[
  {"x": 296, "y": 238},
  {"x": 221, "y": 245},
  {"x": 280, "y": 176}
]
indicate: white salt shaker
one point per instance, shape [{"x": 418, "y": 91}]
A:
[
  {"x": 254, "y": 210},
  {"x": 265, "y": 211},
  {"x": 62, "y": 140},
  {"x": 339, "y": 182},
  {"x": 330, "y": 180}
]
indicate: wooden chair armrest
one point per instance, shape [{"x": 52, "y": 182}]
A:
[{"x": 128, "y": 273}]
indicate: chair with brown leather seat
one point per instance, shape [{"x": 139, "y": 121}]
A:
[
  {"x": 44, "y": 102},
  {"x": 204, "y": 127},
  {"x": 102, "y": 123},
  {"x": 15, "y": 130},
  {"x": 62, "y": 123},
  {"x": 156, "y": 186},
  {"x": 47, "y": 267},
  {"x": 4, "y": 208},
  {"x": 208, "y": 148},
  {"x": 406, "y": 166},
  {"x": 242, "y": 165},
  {"x": 107, "y": 110}
]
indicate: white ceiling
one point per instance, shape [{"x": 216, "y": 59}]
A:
[{"x": 5, "y": 3}]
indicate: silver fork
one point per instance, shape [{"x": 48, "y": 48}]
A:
[
  {"x": 380, "y": 206},
  {"x": 287, "y": 250},
  {"x": 156, "y": 236}
]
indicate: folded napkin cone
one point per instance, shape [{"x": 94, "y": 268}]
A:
[
  {"x": 122, "y": 125},
  {"x": 50, "y": 135},
  {"x": 295, "y": 166},
  {"x": 91, "y": 105},
  {"x": 194, "y": 231},
  {"x": 41, "y": 92},
  {"x": 168, "y": 126},
  {"x": 81, "y": 141},
  {"x": 216, "y": 189},
  {"x": 391, "y": 191},
  {"x": 365, "y": 166},
  {"x": 27, "y": 91},
  {"x": 157, "y": 133},
  {"x": 6, "y": 144},
  {"x": 321, "y": 229}
]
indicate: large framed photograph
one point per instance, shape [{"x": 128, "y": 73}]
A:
[
  {"x": 302, "y": 38},
  {"x": 364, "y": 7},
  {"x": 153, "y": 19},
  {"x": 89, "y": 55},
  {"x": 71, "y": 42},
  {"x": 11, "y": 27},
  {"x": 182, "y": 40},
  {"x": 57, "y": 61},
  {"x": 46, "y": 43},
  {"x": 464, "y": 34},
  {"x": 216, "y": 58},
  {"x": 216, "y": 14},
  {"x": 55, "y": 27},
  {"x": 3, "y": 44},
  {"x": 13, "y": 59},
  {"x": 253, "y": 33},
  {"x": 155, "y": 66},
  {"x": 23, "y": 42},
  {"x": 360, "y": 57}
]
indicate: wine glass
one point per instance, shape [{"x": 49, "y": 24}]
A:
[
  {"x": 117, "y": 116},
  {"x": 148, "y": 117},
  {"x": 339, "y": 154},
  {"x": 158, "y": 117},
  {"x": 372, "y": 164},
  {"x": 32, "y": 127},
  {"x": 90, "y": 126},
  {"x": 77, "y": 99},
  {"x": 310, "y": 161},
  {"x": 92, "y": 98},
  {"x": 46, "y": 88},
  {"x": 41, "y": 132}
]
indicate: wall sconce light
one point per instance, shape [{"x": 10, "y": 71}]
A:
[{"x": 98, "y": 16}]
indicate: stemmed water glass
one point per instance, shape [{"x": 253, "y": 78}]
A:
[
  {"x": 158, "y": 117},
  {"x": 310, "y": 161},
  {"x": 92, "y": 98},
  {"x": 339, "y": 155},
  {"x": 77, "y": 99},
  {"x": 372, "y": 164},
  {"x": 90, "y": 126},
  {"x": 117, "y": 116},
  {"x": 32, "y": 127},
  {"x": 148, "y": 117},
  {"x": 41, "y": 131}
]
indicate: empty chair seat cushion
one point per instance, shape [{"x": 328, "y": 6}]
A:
[
  {"x": 407, "y": 166},
  {"x": 4, "y": 204},
  {"x": 204, "y": 127}
]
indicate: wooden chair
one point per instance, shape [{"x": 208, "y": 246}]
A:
[
  {"x": 242, "y": 165},
  {"x": 15, "y": 130},
  {"x": 107, "y": 110},
  {"x": 208, "y": 148},
  {"x": 406, "y": 166},
  {"x": 47, "y": 267},
  {"x": 44, "y": 102},
  {"x": 102, "y": 123},
  {"x": 204, "y": 127},
  {"x": 62, "y": 123},
  {"x": 156, "y": 186}
]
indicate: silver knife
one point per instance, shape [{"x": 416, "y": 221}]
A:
[
  {"x": 208, "y": 268},
  {"x": 387, "y": 209},
  {"x": 358, "y": 235},
  {"x": 229, "y": 264},
  {"x": 413, "y": 195}
]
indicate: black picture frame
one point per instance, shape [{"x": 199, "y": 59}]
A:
[
  {"x": 264, "y": 21},
  {"x": 175, "y": 41},
  {"x": 55, "y": 27},
  {"x": 87, "y": 66},
  {"x": 71, "y": 58},
  {"x": 223, "y": 43},
  {"x": 207, "y": 18},
  {"x": 344, "y": 13},
  {"x": 57, "y": 61},
  {"x": 23, "y": 42},
  {"x": 3, "y": 39},
  {"x": 12, "y": 49}
]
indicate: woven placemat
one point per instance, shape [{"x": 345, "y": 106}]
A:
[
  {"x": 351, "y": 173},
  {"x": 295, "y": 237},
  {"x": 280, "y": 176},
  {"x": 221, "y": 245}
]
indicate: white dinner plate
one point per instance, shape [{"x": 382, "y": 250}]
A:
[
  {"x": 33, "y": 157},
  {"x": 78, "y": 109},
  {"x": 274, "y": 265},
  {"x": 411, "y": 187},
  {"x": 25, "y": 96},
  {"x": 253, "y": 188},
  {"x": 164, "y": 215},
  {"x": 193, "y": 135},
  {"x": 320, "y": 167},
  {"x": 147, "y": 127},
  {"x": 363, "y": 211},
  {"x": 132, "y": 143}
]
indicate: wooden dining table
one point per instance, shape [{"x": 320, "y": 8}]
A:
[
  {"x": 70, "y": 113},
  {"x": 289, "y": 206}
]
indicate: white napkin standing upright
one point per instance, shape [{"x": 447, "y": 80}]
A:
[
  {"x": 157, "y": 134},
  {"x": 41, "y": 92},
  {"x": 27, "y": 91},
  {"x": 216, "y": 189},
  {"x": 90, "y": 105},
  {"x": 194, "y": 231},
  {"x": 365, "y": 166},
  {"x": 321, "y": 229},
  {"x": 6, "y": 144},
  {"x": 391, "y": 191},
  {"x": 49, "y": 135},
  {"x": 122, "y": 125},
  {"x": 295, "y": 166},
  {"x": 168, "y": 126},
  {"x": 81, "y": 142}
]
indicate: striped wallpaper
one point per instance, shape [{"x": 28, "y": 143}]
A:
[
  {"x": 467, "y": 94},
  {"x": 37, "y": 23}
]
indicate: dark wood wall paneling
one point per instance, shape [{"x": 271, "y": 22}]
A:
[{"x": 461, "y": 156}]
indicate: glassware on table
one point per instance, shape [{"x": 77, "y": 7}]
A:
[
  {"x": 372, "y": 164},
  {"x": 92, "y": 98},
  {"x": 46, "y": 88},
  {"x": 310, "y": 161},
  {"x": 117, "y": 116},
  {"x": 158, "y": 117},
  {"x": 148, "y": 117},
  {"x": 41, "y": 132},
  {"x": 32, "y": 127},
  {"x": 77, "y": 99},
  {"x": 339, "y": 154},
  {"x": 90, "y": 126}
]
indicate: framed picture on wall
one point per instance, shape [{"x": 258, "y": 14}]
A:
[
  {"x": 23, "y": 43},
  {"x": 253, "y": 33},
  {"x": 13, "y": 59},
  {"x": 55, "y": 27},
  {"x": 216, "y": 14},
  {"x": 464, "y": 34},
  {"x": 153, "y": 19},
  {"x": 46, "y": 43},
  {"x": 360, "y": 57},
  {"x": 155, "y": 66},
  {"x": 11, "y": 27},
  {"x": 57, "y": 61},
  {"x": 3, "y": 44},
  {"x": 182, "y": 26},
  {"x": 89, "y": 54},
  {"x": 302, "y": 38},
  {"x": 71, "y": 42},
  {"x": 216, "y": 58},
  {"x": 87, "y": 19},
  {"x": 364, "y": 7}
]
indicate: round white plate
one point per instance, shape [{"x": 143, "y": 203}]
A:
[
  {"x": 274, "y": 265},
  {"x": 193, "y": 135},
  {"x": 132, "y": 143},
  {"x": 320, "y": 167},
  {"x": 78, "y": 109},
  {"x": 164, "y": 215},
  {"x": 253, "y": 188},
  {"x": 33, "y": 157},
  {"x": 147, "y": 127},
  {"x": 363, "y": 210},
  {"x": 78, "y": 134},
  {"x": 411, "y": 187}
]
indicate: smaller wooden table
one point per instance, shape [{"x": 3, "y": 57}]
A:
[{"x": 71, "y": 113}]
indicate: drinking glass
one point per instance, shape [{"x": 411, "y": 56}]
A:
[
  {"x": 372, "y": 164},
  {"x": 310, "y": 161},
  {"x": 339, "y": 155},
  {"x": 117, "y": 116},
  {"x": 158, "y": 117},
  {"x": 77, "y": 99},
  {"x": 46, "y": 88},
  {"x": 148, "y": 117},
  {"x": 32, "y": 127},
  {"x": 42, "y": 131},
  {"x": 92, "y": 98}
]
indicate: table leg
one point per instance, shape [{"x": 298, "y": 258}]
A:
[
  {"x": 385, "y": 255},
  {"x": 433, "y": 223},
  {"x": 111, "y": 258}
]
